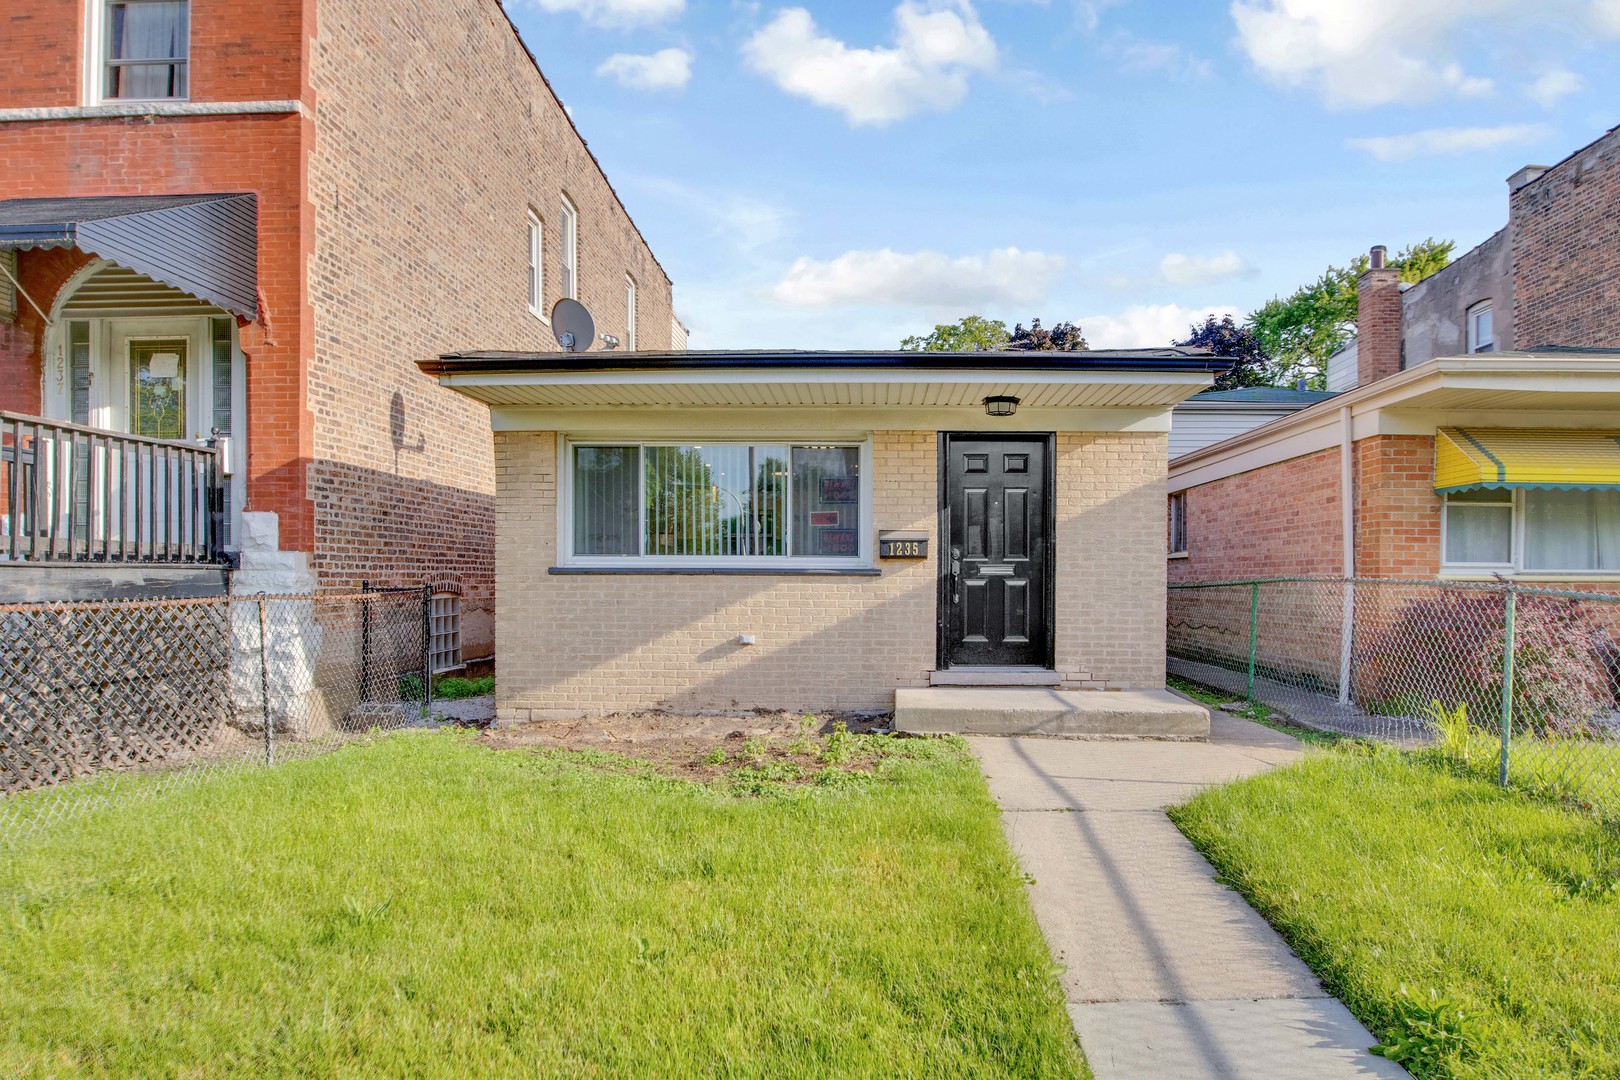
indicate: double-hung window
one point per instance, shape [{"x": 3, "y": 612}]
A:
[
  {"x": 1178, "y": 523},
  {"x": 537, "y": 280},
  {"x": 1554, "y": 530},
  {"x": 570, "y": 250},
  {"x": 716, "y": 504},
  {"x": 1481, "y": 331},
  {"x": 144, "y": 50}
]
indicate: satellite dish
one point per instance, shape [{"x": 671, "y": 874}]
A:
[{"x": 572, "y": 325}]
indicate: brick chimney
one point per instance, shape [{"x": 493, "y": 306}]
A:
[{"x": 1378, "y": 320}]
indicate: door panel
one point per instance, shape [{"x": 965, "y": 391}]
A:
[{"x": 995, "y": 591}]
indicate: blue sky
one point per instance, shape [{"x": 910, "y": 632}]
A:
[{"x": 841, "y": 174}]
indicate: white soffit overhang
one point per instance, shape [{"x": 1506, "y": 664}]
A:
[
  {"x": 1520, "y": 389},
  {"x": 767, "y": 388}
]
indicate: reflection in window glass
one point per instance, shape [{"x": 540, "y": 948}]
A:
[
  {"x": 826, "y": 500},
  {"x": 607, "y": 496}
]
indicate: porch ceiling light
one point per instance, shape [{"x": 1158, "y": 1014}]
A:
[{"x": 1000, "y": 406}]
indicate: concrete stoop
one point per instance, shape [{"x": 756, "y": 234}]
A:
[{"x": 974, "y": 710}]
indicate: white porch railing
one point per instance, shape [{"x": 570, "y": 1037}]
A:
[{"x": 76, "y": 494}]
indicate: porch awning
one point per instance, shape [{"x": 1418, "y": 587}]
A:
[
  {"x": 1466, "y": 458},
  {"x": 206, "y": 245}
]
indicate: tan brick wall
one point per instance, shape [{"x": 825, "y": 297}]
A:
[
  {"x": 1110, "y": 559},
  {"x": 601, "y": 643},
  {"x": 572, "y": 644},
  {"x": 431, "y": 147}
]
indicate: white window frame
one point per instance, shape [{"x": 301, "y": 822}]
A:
[
  {"x": 1177, "y": 523},
  {"x": 863, "y": 560},
  {"x": 95, "y": 54},
  {"x": 1472, "y": 319},
  {"x": 1515, "y": 528},
  {"x": 629, "y": 313},
  {"x": 1518, "y": 546},
  {"x": 537, "y": 268},
  {"x": 570, "y": 249}
]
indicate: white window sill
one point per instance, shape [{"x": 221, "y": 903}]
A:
[
  {"x": 1177, "y": 555},
  {"x": 1529, "y": 576},
  {"x": 774, "y": 571},
  {"x": 544, "y": 319}
]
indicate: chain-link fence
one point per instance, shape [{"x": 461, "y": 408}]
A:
[
  {"x": 110, "y": 701},
  {"x": 1517, "y": 682}
]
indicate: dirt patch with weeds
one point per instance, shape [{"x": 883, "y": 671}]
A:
[{"x": 783, "y": 747}]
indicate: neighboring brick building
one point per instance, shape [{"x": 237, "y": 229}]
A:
[
  {"x": 1475, "y": 427},
  {"x": 816, "y": 530},
  {"x": 405, "y": 194}
]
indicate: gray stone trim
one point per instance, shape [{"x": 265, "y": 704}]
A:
[{"x": 148, "y": 108}]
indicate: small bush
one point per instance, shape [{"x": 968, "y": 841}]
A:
[
  {"x": 451, "y": 687},
  {"x": 1448, "y": 647}
]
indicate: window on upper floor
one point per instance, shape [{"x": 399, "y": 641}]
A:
[
  {"x": 537, "y": 278},
  {"x": 629, "y": 313},
  {"x": 1178, "y": 523},
  {"x": 142, "y": 50},
  {"x": 1481, "y": 333},
  {"x": 570, "y": 250}
]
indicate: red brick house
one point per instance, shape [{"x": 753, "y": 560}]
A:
[
  {"x": 247, "y": 218},
  {"x": 1478, "y": 428}
]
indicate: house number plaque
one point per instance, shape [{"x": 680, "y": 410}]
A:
[{"x": 902, "y": 545}]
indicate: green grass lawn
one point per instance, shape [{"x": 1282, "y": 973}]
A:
[
  {"x": 1444, "y": 911},
  {"x": 425, "y": 906}
]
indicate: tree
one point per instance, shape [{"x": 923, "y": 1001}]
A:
[
  {"x": 973, "y": 334},
  {"x": 1226, "y": 338},
  {"x": 1300, "y": 331},
  {"x": 1064, "y": 337}
]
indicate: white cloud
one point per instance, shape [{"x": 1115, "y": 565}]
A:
[
  {"x": 616, "y": 13},
  {"x": 1448, "y": 141},
  {"x": 1005, "y": 277},
  {"x": 1147, "y": 326},
  {"x": 1140, "y": 54},
  {"x": 937, "y": 46},
  {"x": 1606, "y": 14},
  {"x": 666, "y": 69},
  {"x": 1179, "y": 269},
  {"x": 1556, "y": 85},
  {"x": 1367, "y": 52}
]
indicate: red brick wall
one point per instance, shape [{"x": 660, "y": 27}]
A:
[
  {"x": 264, "y": 154},
  {"x": 1397, "y": 511},
  {"x": 1282, "y": 520},
  {"x": 240, "y": 51},
  {"x": 1566, "y": 251},
  {"x": 421, "y": 247},
  {"x": 1378, "y": 325}
]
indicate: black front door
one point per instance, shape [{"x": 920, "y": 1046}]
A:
[{"x": 996, "y": 592}]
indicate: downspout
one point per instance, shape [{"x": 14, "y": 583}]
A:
[{"x": 1347, "y": 513}]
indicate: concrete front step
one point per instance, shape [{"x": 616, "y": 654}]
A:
[{"x": 967, "y": 710}]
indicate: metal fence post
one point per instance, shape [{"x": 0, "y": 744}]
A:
[
  {"x": 427, "y": 648},
  {"x": 1254, "y": 631},
  {"x": 1347, "y": 639},
  {"x": 264, "y": 690},
  {"x": 1507, "y": 684}
]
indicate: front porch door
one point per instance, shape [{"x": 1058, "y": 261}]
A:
[{"x": 995, "y": 586}]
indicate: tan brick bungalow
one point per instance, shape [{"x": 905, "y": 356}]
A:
[{"x": 732, "y": 530}]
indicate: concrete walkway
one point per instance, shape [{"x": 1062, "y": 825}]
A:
[{"x": 1168, "y": 974}]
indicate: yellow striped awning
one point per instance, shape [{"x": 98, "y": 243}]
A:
[{"x": 1467, "y": 458}]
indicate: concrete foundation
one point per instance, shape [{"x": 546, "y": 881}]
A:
[{"x": 968, "y": 710}]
